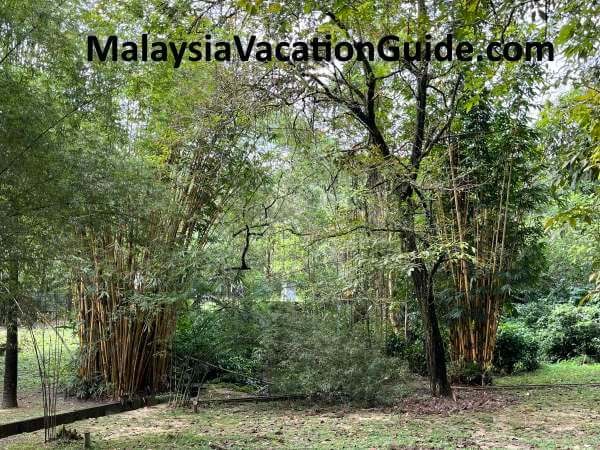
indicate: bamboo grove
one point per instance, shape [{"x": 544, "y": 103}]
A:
[
  {"x": 132, "y": 270},
  {"x": 413, "y": 185},
  {"x": 484, "y": 214}
]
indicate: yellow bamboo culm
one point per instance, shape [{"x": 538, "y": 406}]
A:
[
  {"x": 476, "y": 278},
  {"x": 125, "y": 342}
]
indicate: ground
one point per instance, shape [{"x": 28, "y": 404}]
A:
[
  {"x": 29, "y": 393},
  {"x": 558, "y": 418},
  {"x": 542, "y": 418}
]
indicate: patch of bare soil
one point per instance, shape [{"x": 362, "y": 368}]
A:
[
  {"x": 137, "y": 423},
  {"x": 463, "y": 400}
]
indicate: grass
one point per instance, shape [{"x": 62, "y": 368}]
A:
[
  {"x": 549, "y": 418},
  {"x": 558, "y": 418},
  {"x": 28, "y": 367},
  {"x": 562, "y": 372},
  {"x": 29, "y": 391}
]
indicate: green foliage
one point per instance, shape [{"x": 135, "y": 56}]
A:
[
  {"x": 534, "y": 314},
  {"x": 411, "y": 351},
  {"x": 572, "y": 133},
  {"x": 572, "y": 253},
  {"x": 578, "y": 36},
  {"x": 281, "y": 161},
  {"x": 516, "y": 349},
  {"x": 224, "y": 339},
  {"x": 469, "y": 373},
  {"x": 572, "y": 331},
  {"x": 86, "y": 389},
  {"x": 321, "y": 357},
  {"x": 289, "y": 350},
  {"x": 395, "y": 345}
]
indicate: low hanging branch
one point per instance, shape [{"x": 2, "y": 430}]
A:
[{"x": 248, "y": 234}]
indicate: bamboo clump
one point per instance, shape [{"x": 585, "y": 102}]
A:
[
  {"x": 480, "y": 230},
  {"x": 126, "y": 308}
]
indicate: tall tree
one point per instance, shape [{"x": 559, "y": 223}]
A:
[
  {"x": 400, "y": 112},
  {"x": 31, "y": 159},
  {"x": 54, "y": 120}
]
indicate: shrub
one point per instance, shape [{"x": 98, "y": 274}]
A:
[
  {"x": 224, "y": 339},
  {"x": 468, "y": 373},
  {"x": 411, "y": 351},
  {"x": 516, "y": 349},
  {"x": 320, "y": 357},
  {"x": 82, "y": 389},
  {"x": 395, "y": 345},
  {"x": 534, "y": 314},
  {"x": 572, "y": 331},
  {"x": 416, "y": 356}
]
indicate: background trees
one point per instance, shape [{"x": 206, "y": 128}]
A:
[
  {"x": 398, "y": 206},
  {"x": 397, "y": 118},
  {"x": 41, "y": 169}
]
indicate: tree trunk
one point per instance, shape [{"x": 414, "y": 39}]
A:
[
  {"x": 434, "y": 345},
  {"x": 9, "y": 393},
  {"x": 422, "y": 279},
  {"x": 436, "y": 358}
]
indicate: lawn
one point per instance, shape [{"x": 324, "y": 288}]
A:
[
  {"x": 547, "y": 418},
  {"x": 29, "y": 392},
  {"x": 558, "y": 418},
  {"x": 562, "y": 372}
]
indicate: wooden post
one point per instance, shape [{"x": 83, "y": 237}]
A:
[{"x": 87, "y": 440}]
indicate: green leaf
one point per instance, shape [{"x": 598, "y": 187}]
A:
[
  {"x": 566, "y": 32},
  {"x": 274, "y": 8}
]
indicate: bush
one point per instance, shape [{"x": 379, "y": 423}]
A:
[
  {"x": 290, "y": 350},
  {"x": 86, "y": 390},
  {"x": 411, "y": 351},
  {"x": 224, "y": 339},
  {"x": 516, "y": 349},
  {"x": 468, "y": 373},
  {"x": 572, "y": 331},
  {"x": 323, "y": 358},
  {"x": 395, "y": 345}
]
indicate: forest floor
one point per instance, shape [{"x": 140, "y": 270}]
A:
[{"x": 543, "y": 418}]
